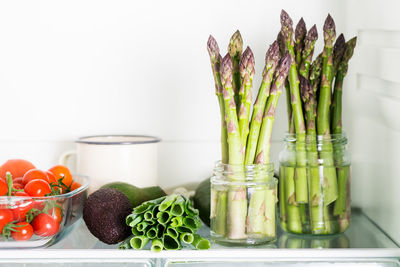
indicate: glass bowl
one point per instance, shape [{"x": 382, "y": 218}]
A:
[{"x": 65, "y": 210}]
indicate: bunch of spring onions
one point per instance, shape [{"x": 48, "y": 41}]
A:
[{"x": 167, "y": 222}]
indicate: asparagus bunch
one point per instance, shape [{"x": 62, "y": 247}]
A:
[
  {"x": 168, "y": 222},
  {"x": 321, "y": 196},
  {"x": 240, "y": 212}
]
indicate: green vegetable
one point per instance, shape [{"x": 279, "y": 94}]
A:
[
  {"x": 135, "y": 194},
  {"x": 138, "y": 242},
  {"x": 202, "y": 199},
  {"x": 156, "y": 245},
  {"x": 166, "y": 221}
]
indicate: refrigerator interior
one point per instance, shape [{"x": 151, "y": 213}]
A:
[{"x": 77, "y": 68}]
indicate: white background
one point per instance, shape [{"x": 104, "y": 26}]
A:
[{"x": 76, "y": 68}]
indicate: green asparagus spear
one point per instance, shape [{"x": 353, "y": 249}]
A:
[
  {"x": 299, "y": 36},
  {"x": 308, "y": 51},
  {"x": 338, "y": 51},
  {"x": 340, "y": 204},
  {"x": 271, "y": 61},
  {"x": 234, "y": 141},
  {"x": 264, "y": 141},
  {"x": 315, "y": 75},
  {"x": 237, "y": 199},
  {"x": 235, "y": 49},
  {"x": 247, "y": 71},
  {"x": 337, "y": 92},
  {"x": 323, "y": 118},
  {"x": 262, "y": 207},
  {"x": 315, "y": 201},
  {"x": 282, "y": 50},
  {"x": 301, "y": 160},
  {"x": 215, "y": 58}
]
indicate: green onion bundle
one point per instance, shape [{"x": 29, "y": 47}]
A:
[{"x": 168, "y": 222}]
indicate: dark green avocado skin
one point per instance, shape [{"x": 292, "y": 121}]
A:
[{"x": 105, "y": 212}]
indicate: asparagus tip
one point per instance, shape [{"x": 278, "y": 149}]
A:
[
  {"x": 286, "y": 26},
  {"x": 312, "y": 33},
  {"x": 329, "y": 30},
  {"x": 212, "y": 47},
  {"x": 272, "y": 54},
  {"x": 349, "y": 50},
  {"x": 281, "y": 43},
  {"x": 338, "y": 49},
  {"x": 301, "y": 30},
  {"x": 285, "y": 18},
  {"x": 247, "y": 63},
  {"x": 226, "y": 73},
  {"x": 284, "y": 65},
  {"x": 306, "y": 91},
  {"x": 235, "y": 46}
]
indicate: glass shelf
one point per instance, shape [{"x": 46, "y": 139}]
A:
[{"x": 361, "y": 245}]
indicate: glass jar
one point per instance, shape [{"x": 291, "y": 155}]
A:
[
  {"x": 314, "y": 184},
  {"x": 243, "y": 204}
]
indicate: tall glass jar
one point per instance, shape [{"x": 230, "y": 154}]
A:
[
  {"x": 243, "y": 204},
  {"x": 314, "y": 184}
]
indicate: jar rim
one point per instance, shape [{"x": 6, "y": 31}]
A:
[
  {"x": 336, "y": 138},
  {"x": 268, "y": 167}
]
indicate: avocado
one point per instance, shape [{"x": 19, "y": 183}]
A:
[
  {"x": 202, "y": 199},
  {"x": 135, "y": 194},
  {"x": 105, "y": 212}
]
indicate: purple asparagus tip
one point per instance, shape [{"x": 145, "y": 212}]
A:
[
  {"x": 306, "y": 91},
  {"x": 284, "y": 64},
  {"x": 212, "y": 47},
  {"x": 338, "y": 49},
  {"x": 285, "y": 18},
  {"x": 226, "y": 72},
  {"x": 329, "y": 30},
  {"x": 312, "y": 33},
  {"x": 247, "y": 63},
  {"x": 301, "y": 30},
  {"x": 272, "y": 54}
]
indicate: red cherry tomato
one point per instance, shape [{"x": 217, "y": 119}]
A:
[
  {"x": 6, "y": 216},
  {"x": 23, "y": 207},
  {"x": 34, "y": 174},
  {"x": 17, "y": 167},
  {"x": 20, "y": 194},
  {"x": 23, "y": 232},
  {"x": 3, "y": 188},
  {"x": 52, "y": 178},
  {"x": 18, "y": 186},
  {"x": 37, "y": 188},
  {"x": 56, "y": 214},
  {"x": 45, "y": 225},
  {"x": 18, "y": 180},
  {"x": 75, "y": 185},
  {"x": 61, "y": 172}
]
